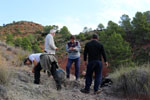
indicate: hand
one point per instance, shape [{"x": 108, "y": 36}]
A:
[
  {"x": 33, "y": 70},
  {"x": 56, "y": 48},
  {"x": 85, "y": 63},
  {"x": 84, "y": 73},
  {"x": 106, "y": 63},
  {"x": 70, "y": 48},
  {"x": 73, "y": 48}
]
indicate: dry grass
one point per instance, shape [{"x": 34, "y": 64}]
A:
[
  {"x": 20, "y": 56},
  {"x": 13, "y": 55},
  {"x": 132, "y": 81},
  {"x": 4, "y": 72}
]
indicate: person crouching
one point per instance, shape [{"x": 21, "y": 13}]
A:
[{"x": 39, "y": 61}]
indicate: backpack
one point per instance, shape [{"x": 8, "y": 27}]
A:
[{"x": 61, "y": 75}]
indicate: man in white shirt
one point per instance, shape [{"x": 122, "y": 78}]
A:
[
  {"x": 38, "y": 66},
  {"x": 49, "y": 42},
  {"x": 35, "y": 59}
]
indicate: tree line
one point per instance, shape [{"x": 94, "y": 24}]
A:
[{"x": 125, "y": 42}]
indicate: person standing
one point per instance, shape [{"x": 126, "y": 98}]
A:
[
  {"x": 49, "y": 42},
  {"x": 73, "y": 49},
  {"x": 94, "y": 50}
]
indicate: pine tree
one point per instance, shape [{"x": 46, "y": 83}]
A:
[{"x": 118, "y": 51}]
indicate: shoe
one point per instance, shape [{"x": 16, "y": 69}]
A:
[
  {"x": 35, "y": 82},
  {"x": 68, "y": 76},
  {"x": 58, "y": 87},
  {"x": 98, "y": 91},
  {"x": 48, "y": 73},
  {"x": 77, "y": 79},
  {"x": 84, "y": 91}
]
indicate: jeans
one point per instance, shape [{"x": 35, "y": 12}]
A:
[
  {"x": 96, "y": 67},
  {"x": 77, "y": 67}
]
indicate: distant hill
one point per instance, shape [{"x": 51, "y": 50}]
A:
[{"x": 21, "y": 28}]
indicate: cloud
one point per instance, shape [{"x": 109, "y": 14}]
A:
[
  {"x": 110, "y": 14},
  {"x": 107, "y": 10},
  {"x": 73, "y": 24},
  {"x": 114, "y": 9}
]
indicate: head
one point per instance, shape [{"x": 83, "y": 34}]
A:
[
  {"x": 72, "y": 38},
  {"x": 52, "y": 32},
  {"x": 27, "y": 61},
  {"x": 94, "y": 37}
]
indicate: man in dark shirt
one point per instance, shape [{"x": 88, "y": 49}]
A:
[{"x": 94, "y": 50}]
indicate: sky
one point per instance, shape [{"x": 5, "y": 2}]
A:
[{"x": 75, "y": 14}]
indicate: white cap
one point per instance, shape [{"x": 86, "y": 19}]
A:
[{"x": 52, "y": 31}]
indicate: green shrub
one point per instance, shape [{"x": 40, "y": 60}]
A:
[
  {"x": 81, "y": 36},
  {"x": 36, "y": 48},
  {"x": 9, "y": 39},
  {"x": 132, "y": 81},
  {"x": 18, "y": 42},
  {"x": 26, "y": 44}
]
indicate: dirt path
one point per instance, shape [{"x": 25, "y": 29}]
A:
[{"x": 21, "y": 87}]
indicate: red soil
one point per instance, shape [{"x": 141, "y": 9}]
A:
[{"x": 63, "y": 61}]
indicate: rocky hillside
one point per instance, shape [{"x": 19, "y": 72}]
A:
[{"x": 19, "y": 85}]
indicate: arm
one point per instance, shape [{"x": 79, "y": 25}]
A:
[
  {"x": 104, "y": 56},
  {"x": 35, "y": 64},
  {"x": 67, "y": 48},
  {"x": 33, "y": 61},
  {"x": 85, "y": 54},
  {"x": 51, "y": 43}
]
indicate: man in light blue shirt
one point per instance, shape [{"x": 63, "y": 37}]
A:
[{"x": 73, "y": 49}]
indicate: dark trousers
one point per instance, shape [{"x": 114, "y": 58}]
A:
[
  {"x": 96, "y": 67},
  {"x": 53, "y": 72},
  {"x": 77, "y": 67},
  {"x": 37, "y": 70}
]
